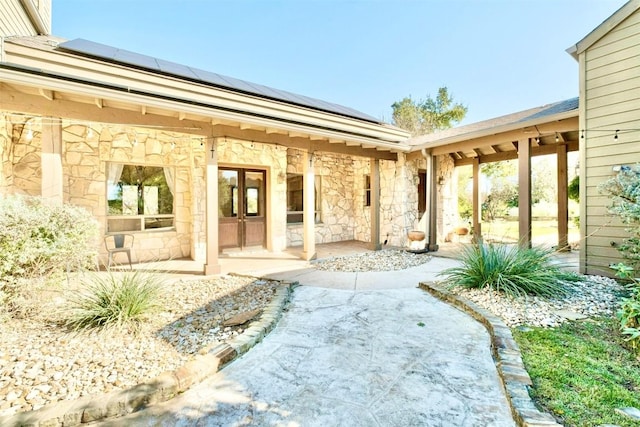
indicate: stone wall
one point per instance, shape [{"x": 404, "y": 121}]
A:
[
  {"x": 86, "y": 151},
  {"x": 447, "y": 198},
  {"x": 21, "y": 164},
  {"x": 336, "y": 195}
]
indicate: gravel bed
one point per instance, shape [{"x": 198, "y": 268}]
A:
[
  {"x": 597, "y": 296},
  {"x": 385, "y": 260},
  {"x": 40, "y": 363}
]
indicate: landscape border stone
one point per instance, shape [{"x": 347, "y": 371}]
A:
[
  {"x": 506, "y": 353},
  {"x": 163, "y": 387}
]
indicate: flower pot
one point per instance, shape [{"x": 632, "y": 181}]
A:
[{"x": 415, "y": 235}]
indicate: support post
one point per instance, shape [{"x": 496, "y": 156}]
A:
[
  {"x": 309, "y": 207},
  {"x": 51, "y": 188},
  {"x": 375, "y": 205},
  {"x": 432, "y": 208},
  {"x": 212, "y": 265},
  {"x": 524, "y": 192},
  {"x": 563, "y": 199},
  {"x": 476, "y": 215}
]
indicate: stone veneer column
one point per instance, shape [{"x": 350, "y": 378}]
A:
[
  {"x": 212, "y": 265},
  {"x": 51, "y": 161},
  {"x": 309, "y": 207}
]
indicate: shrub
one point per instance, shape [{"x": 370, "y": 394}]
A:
[
  {"x": 629, "y": 312},
  {"x": 510, "y": 269},
  {"x": 624, "y": 190},
  {"x": 114, "y": 301},
  {"x": 38, "y": 241}
]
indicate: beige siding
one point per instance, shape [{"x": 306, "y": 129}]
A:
[
  {"x": 15, "y": 21},
  {"x": 611, "y": 101}
]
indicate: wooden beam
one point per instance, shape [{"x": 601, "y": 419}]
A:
[
  {"x": 297, "y": 135},
  {"x": 515, "y": 144},
  {"x": 182, "y": 116},
  {"x": 461, "y": 155},
  {"x": 245, "y": 126},
  {"x": 563, "y": 199},
  {"x": 353, "y": 149},
  {"x": 143, "y": 110},
  {"x": 475, "y": 202},
  {"x": 478, "y": 152},
  {"x": 524, "y": 193},
  {"x": 99, "y": 102},
  {"x": 511, "y": 155},
  {"x": 36, "y": 105},
  {"x": 496, "y": 148},
  {"x": 566, "y": 125},
  {"x": 47, "y": 94}
]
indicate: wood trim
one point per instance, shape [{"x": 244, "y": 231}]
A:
[{"x": 524, "y": 192}]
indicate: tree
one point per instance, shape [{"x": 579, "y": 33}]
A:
[{"x": 427, "y": 116}]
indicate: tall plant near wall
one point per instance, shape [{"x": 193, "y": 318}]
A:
[{"x": 624, "y": 190}]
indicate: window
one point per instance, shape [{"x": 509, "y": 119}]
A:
[
  {"x": 295, "y": 209},
  {"x": 367, "y": 190},
  {"x": 139, "y": 197},
  {"x": 422, "y": 193}
]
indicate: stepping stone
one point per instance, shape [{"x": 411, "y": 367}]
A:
[
  {"x": 570, "y": 315},
  {"x": 242, "y": 318},
  {"x": 633, "y": 413}
]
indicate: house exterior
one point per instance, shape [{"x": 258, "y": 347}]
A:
[
  {"x": 194, "y": 163},
  {"x": 197, "y": 164},
  {"x": 609, "y": 64}
]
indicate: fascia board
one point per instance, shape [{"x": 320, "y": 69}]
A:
[
  {"x": 605, "y": 27},
  {"x": 175, "y": 106},
  {"x": 113, "y": 74}
]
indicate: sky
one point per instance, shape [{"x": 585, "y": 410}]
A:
[{"x": 495, "y": 56}]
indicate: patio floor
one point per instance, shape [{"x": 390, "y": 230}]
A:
[{"x": 263, "y": 262}]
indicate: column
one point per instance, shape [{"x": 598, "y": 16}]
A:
[
  {"x": 375, "y": 205},
  {"x": 212, "y": 265},
  {"x": 309, "y": 207},
  {"x": 524, "y": 192},
  {"x": 563, "y": 199},
  {"x": 476, "y": 215},
  {"x": 51, "y": 161}
]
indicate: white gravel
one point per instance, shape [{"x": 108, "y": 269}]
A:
[
  {"x": 40, "y": 363},
  {"x": 385, "y": 260},
  {"x": 598, "y": 296}
]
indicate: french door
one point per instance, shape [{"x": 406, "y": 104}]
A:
[{"x": 242, "y": 208}]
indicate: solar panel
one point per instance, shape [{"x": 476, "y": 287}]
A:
[{"x": 112, "y": 54}]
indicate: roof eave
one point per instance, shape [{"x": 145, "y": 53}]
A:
[
  {"x": 607, "y": 25},
  {"x": 496, "y": 130}
]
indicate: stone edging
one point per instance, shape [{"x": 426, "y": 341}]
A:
[
  {"x": 160, "y": 389},
  {"x": 506, "y": 353}
]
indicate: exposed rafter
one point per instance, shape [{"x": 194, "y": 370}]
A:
[{"x": 47, "y": 94}]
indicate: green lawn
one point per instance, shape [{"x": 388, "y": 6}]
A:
[
  {"x": 543, "y": 232},
  {"x": 582, "y": 372}
]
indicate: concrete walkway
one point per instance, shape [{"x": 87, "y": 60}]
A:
[{"x": 354, "y": 349}]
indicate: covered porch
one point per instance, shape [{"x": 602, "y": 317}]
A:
[{"x": 547, "y": 130}]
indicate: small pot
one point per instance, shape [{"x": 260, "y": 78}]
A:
[{"x": 416, "y": 235}]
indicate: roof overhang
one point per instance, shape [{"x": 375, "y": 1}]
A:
[
  {"x": 601, "y": 30},
  {"x": 495, "y": 143},
  {"x": 105, "y": 85}
]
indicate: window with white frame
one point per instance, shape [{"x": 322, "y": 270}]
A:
[
  {"x": 139, "y": 197},
  {"x": 295, "y": 200}
]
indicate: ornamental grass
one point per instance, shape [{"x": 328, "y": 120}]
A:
[{"x": 512, "y": 270}]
